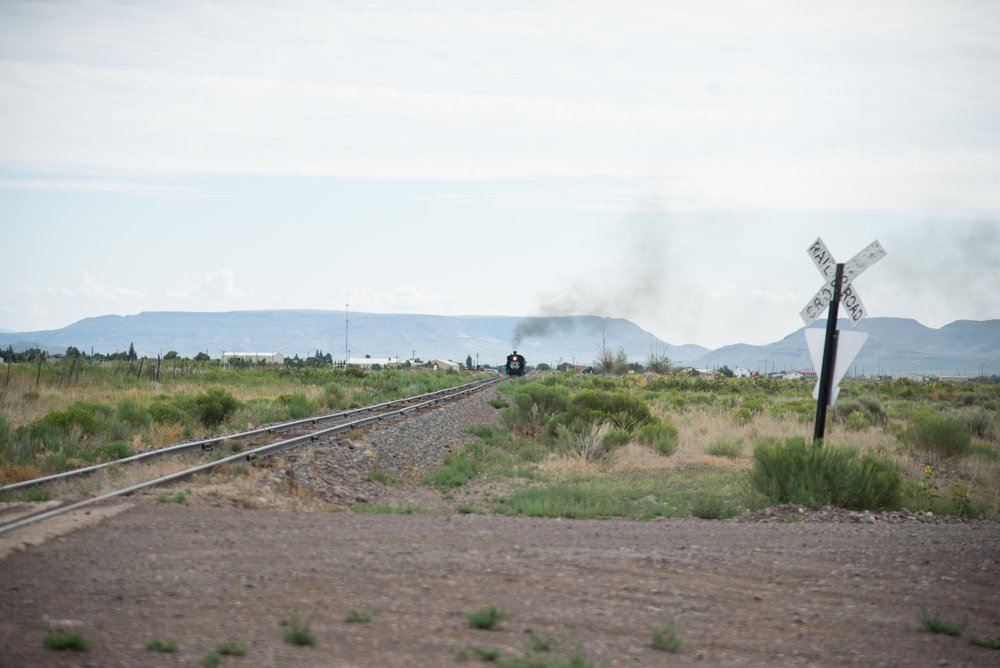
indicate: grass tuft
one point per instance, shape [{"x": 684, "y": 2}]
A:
[
  {"x": 360, "y": 616},
  {"x": 73, "y": 641},
  {"x": 486, "y": 618},
  {"x": 934, "y": 624},
  {"x": 988, "y": 643},
  {"x": 165, "y": 646},
  {"x": 666, "y": 638},
  {"x": 297, "y": 632}
]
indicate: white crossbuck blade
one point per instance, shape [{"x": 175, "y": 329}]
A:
[{"x": 827, "y": 266}]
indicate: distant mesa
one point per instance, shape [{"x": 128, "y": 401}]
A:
[{"x": 896, "y": 346}]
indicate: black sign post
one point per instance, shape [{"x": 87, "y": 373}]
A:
[{"x": 829, "y": 359}]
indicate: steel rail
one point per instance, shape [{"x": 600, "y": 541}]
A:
[
  {"x": 212, "y": 442},
  {"x": 249, "y": 455}
]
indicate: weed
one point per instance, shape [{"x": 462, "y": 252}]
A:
[
  {"x": 934, "y": 624},
  {"x": 666, "y": 638},
  {"x": 73, "y": 641},
  {"x": 386, "y": 509},
  {"x": 941, "y": 436},
  {"x": 988, "y": 643},
  {"x": 537, "y": 643},
  {"x": 485, "y": 654},
  {"x": 360, "y": 616},
  {"x": 661, "y": 436},
  {"x": 486, "y": 618},
  {"x": 166, "y": 646},
  {"x": 710, "y": 505},
  {"x": 180, "y": 496},
  {"x": 817, "y": 476},
  {"x": 498, "y": 403},
  {"x": 297, "y": 632},
  {"x": 212, "y": 659},
  {"x": 232, "y": 648},
  {"x": 726, "y": 446}
]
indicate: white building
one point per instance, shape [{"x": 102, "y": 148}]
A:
[{"x": 254, "y": 358}]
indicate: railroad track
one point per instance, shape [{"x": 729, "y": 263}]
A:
[{"x": 260, "y": 443}]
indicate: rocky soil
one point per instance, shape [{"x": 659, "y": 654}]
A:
[{"x": 784, "y": 587}]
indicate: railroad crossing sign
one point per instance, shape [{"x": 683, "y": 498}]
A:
[
  {"x": 848, "y": 346},
  {"x": 827, "y": 266},
  {"x": 837, "y": 289}
]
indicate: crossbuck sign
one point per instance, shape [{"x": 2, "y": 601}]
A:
[{"x": 827, "y": 266}]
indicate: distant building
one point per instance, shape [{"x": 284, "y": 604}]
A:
[
  {"x": 445, "y": 365},
  {"x": 369, "y": 362},
  {"x": 254, "y": 358}
]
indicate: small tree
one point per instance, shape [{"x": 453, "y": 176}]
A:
[
  {"x": 468, "y": 362},
  {"x": 658, "y": 363},
  {"x": 171, "y": 355},
  {"x": 131, "y": 353},
  {"x": 202, "y": 357},
  {"x": 726, "y": 371}
]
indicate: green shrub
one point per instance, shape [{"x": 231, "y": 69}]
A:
[
  {"x": 982, "y": 424},
  {"x": 726, "y": 446},
  {"x": 938, "y": 435},
  {"x": 662, "y": 436},
  {"x": 934, "y": 624},
  {"x": 133, "y": 414},
  {"x": 486, "y": 618},
  {"x": 858, "y": 414},
  {"x": 297, "y": 632},
  {"x": 818, "y": 476},
  {"x": 215, "y": 407},
  {"x": 297, "y": 406},
  {"x": 532, "y": 405},
  {"x": 666, "y": 638},
  {"x": 457, "y": 469},
  {"x": 65, "y": 420},
  {"x": 710, "y": 505},
  {"x": 166, "y": 646},
  {"x": 113, "y": 450},
  {"x": 362, "y": 616},
  {"x": 74, "y": 641},
  {"x": 167, "y": 412}
]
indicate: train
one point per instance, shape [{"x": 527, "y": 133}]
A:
[{"x": 515, "y": 364}]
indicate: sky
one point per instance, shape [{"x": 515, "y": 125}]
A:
[{"x": 662, "y": 161}]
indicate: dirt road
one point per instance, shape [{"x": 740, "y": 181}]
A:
[{"x": 741, "y": 593}]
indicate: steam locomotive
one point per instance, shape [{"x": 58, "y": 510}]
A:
[{"x": 515, "y": 364}]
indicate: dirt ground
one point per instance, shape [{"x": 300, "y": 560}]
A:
[{"x": 788, "y": 593}]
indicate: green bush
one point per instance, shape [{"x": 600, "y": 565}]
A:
[
  {"x": 938, "y": 435},
  {"x": 532, "y": 405},
  {"x": 662, "y": 436},
  {"x": 215, "y": 406},
  {"x": 167, "y": 412},
  {"x": 297, "y": 406},
  {"x": 133, "y": 414},
  {"x": 75, "y": 415},
  {"x": 486, "y": 618},
  {"x": 113, "y": 450},
  {"x": 818, "y": 476},
  {"x": 857, "y": 414},
  {"x": 726, "y": 446},
  {"x": 982, "y": 424}
]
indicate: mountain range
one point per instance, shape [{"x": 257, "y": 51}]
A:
[{"x": 895, "y": 345}]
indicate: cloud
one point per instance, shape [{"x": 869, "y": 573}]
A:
[
  {"x": 214, "y": 285},
  {"x": 784, "y": 105},
  {"x": 402, "y": 298}
]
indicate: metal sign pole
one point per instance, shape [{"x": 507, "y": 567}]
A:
[{"x": 829, "y": 359}]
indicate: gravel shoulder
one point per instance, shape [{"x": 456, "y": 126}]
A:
[{"x": 782, "y": 591}]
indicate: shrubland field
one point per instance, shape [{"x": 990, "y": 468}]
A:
[{"x": 637, "y": 445}]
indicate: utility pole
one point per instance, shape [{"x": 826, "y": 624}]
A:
[{"x": 347, "y": 329}]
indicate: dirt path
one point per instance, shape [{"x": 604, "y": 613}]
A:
[{"x": 742, "y": 594}]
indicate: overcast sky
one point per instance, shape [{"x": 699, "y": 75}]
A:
[{"x": 663, "y": 161}]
